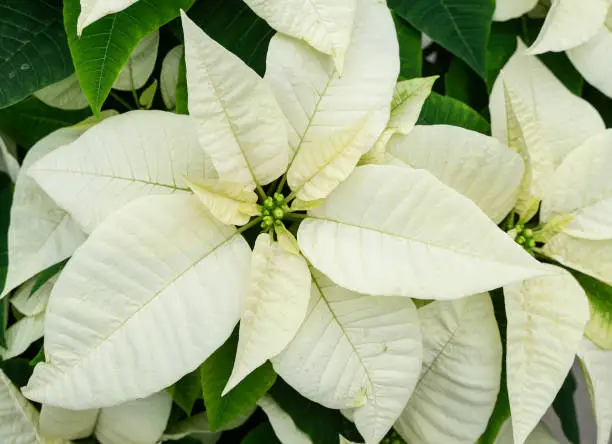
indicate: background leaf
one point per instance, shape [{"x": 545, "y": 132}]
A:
[
  {"x": 461, "y": 26},
  {"x": 411, "y": 57},
  {"x": 262, "y": 434},
  {"x": 565, "y": 408},
  {"x": 105, "y": 46},
  {"x": 448, "y": 111},
  {"x": 187, "y": 391},
  {"x": 33, "y": 48}
]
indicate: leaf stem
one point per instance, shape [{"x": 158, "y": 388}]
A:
[
  {"x": 120, "y": 100},
  {"x": 134, "y": 93},
  {"x": 295, "y": 216},
  {"x": 250, "y": 225}
]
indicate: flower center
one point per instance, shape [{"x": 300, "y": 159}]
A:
[
  {"x": 273, "y": 210},
  {"x": 524, "y": 237}
]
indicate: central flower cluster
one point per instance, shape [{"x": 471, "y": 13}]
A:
[
  {"x": 273, "y": 211},
  {"x": 525, "y": 237}
]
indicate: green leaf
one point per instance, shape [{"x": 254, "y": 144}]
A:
[
  {"x": 33, "y": 48},
  {"x": 29, "y": 121},
  {"x": 215, "y": 373},
  {"x": 4, "y": 315},
  {"x": 502, "y": 44},
  {"x": 463, "y": 84},
  {"x": 411, "y": 57},
  {"x": 600, "y": 101},
  {"x": 321, "y": 424},
  {"x": 106, "y": 45},
  {"x": 262, "y": 434},
  {"x": 148, "y": 95},
  {"x": 18, "y": 371},
  {"x": 236, "y": 27},
  {"x": 187, "y": 391},
  {"x": 47, "y": 274},
  {"x": 182, "y": 95},
  {"x": 461, "y": 26},
  {"x": 448, "y": 111},
  {"x": 565, "y": 408},
  {"x": 6, "y": 199}
]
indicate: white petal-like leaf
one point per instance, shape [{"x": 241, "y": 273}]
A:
[
  {"x": 40, "y": 234},
  {"x": 546, "y": 319},
  {"x": 240, "y": 124},
  {"x": 509, "y": 9},
  {"x": 139, "y": 67},
  {"x": 65, "y": 94},
  {"x": 32, "y": 304},
  {"x": 275, "y": 305},
  {"x": 334, "y": 119},
  {"x": 151, "y": 294},
  {"x": 124, "y": 157},
  {"x": 284, "y": 427},
  {"x": 582, "y": 186},
  {"x": 22, "y": 334},
  {"x": 459, "y": 383},
  {"x": 229, "y": 202},
  {"x": 8, "y": 162},
  {"x": 326, "y": 25},
  {"x": 56, "y": 422},
  {"x": 168, "y": 79},
  {"x": 593, "y": 257},
  {"x": 564, "y": 120},
  {"x": 477, "y": 166},
  {"x": 94, "y": 10},
  {"x": 355, "y": 351},
  {"x": 389, "y": 230},
  {"x": 596, "y": 364},
  {"x": 541, "y": 434},
  {"x": 570, "y": 23}
]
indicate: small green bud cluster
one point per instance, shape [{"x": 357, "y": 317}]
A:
[
  {"x": 524, "y": 237},
  {"x": 392, "y": 438},
  {"x": 273, "y": 210}
]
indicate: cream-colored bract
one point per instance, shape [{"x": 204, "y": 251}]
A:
[
  {"x": 139, "y": 66},
  {"x": 477, "y": 166},
  {"x": 32, "y": 304},
  {"x": 390, "y": 239},
  {"x": 275, "y": 303},
  {"x": 40, "y": 233},
  {"x": 509, "y": 9},
  {"x": 596, "y": 364},
  {"x": 100, "y": 352},
  {"x": 541, "y": 434},
  {"x": 94, "y": 10},
  {"x": 136, "y": 422},
  {"x": 124, "y": 157},
  {"x": 284, "y": 427},
  {"x": 326, "y": 25},
  {"x": 8, "y": 162},
  {"x": 546, "y": 319},
  {"x": 65, "y": 94},
  {"x": 241, "y": 126},
  {"x": 334, "y": 119},
  {"x": 459, "y": 382},
  {"x": 21, "y": 335},
  {"x": 355, "y": 351},
  {"x": 168, "y": 78}
]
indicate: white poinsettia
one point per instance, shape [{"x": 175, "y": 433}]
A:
[
  {"x": 581, "y": 28},
  {"x": 165, "y": 275}
]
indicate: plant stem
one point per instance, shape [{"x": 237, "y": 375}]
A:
[
  {"x": 120, "y": 100},
  {"x": 250, "y": 225}
]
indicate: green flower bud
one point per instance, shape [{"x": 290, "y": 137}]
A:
[
  {"x": 269, "y": 203},
  {"x": 265, "y": 212},
  {"x": 528, "y": 232},
  {"x": 279, "y": 198},
  {"x": 520, "y": 240},
  {"x": 519, "y": 227},
  {"x": 531, "y": 243},
  {"x": 278, "y": 213}
]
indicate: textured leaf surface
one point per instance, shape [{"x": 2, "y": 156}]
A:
[
  {"x": 111, "y": 352},
  {"x": 65, "y": 94},
  {"x": 240, "y": 124},
  {"x": 389, "y": 240},
  {"x": 21, "y": 335},
  {"x": 124, "y": 157},
  {"x": 93, "y": 10},
  {"x": 477, "y": 166},
  {"x": 40, "y": 234},
  {"x": 546, "y": 319},
  {"x": 33, "y": 48},
  {"x": 462, "y": 360},
  {"x": 32, "y": 303},
  {"x": 355, "y": 351},
  {"x": 169, "y": 76},
  {"x": 509, "y": 9},
  {"x": 68, "y": 424},
  {"x": 275, "y": 305},
  {"x": 540, "y": 435},
  {"x": 333, "y": 120},
  {"x": 139, "y": 66}
]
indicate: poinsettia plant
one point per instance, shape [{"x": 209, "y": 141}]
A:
[{"x": 300, "y": 222}]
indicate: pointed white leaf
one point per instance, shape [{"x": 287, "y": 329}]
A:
[
  {"x": 65, "y": 94},
  {"x": 477, "y": 166},
  {"x": 18, "y": 418},
  {"x": 135, "y": 422},
  {"x": 124, "y": 157},
  {"x": 229, "y": 202},
  {"x": 509, "y": 9},
  {"x": 564, "y": 120},
  {"x": 596, "y": 364},
  {"x": 56, "y": 422},
  {"x": 570, "y": 23},
  {"x": 275, "y": 304},
  {"x": 94, "y": 10},
  {"x": 326, "y": 25},
  {"x": 8, "y": 162},
  {"x": 32, "y": 304},
  {"x": 139, "y": 67},
  {"x": 593, "y": 257},
  {"x": 40, "y": 233},
  {"x": 284, "y": 427},
  {"x": 546, "y": 319},
  {"x": 388, "y": 230},
  {"x": 168, "y": 78},
  {"x": 462, "y": 361},
  {"x": 355, "y": 351},
  {"x": 541, "y": 434},
  {"x": 592, "y": 59},
  {"x": 112, "y": 324},
  {"x": 582, "y": 187},
  {"x": 22, "y": 334},
  {"x": 240, "y": 124},
  {"x": 334, "y": 119}
]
